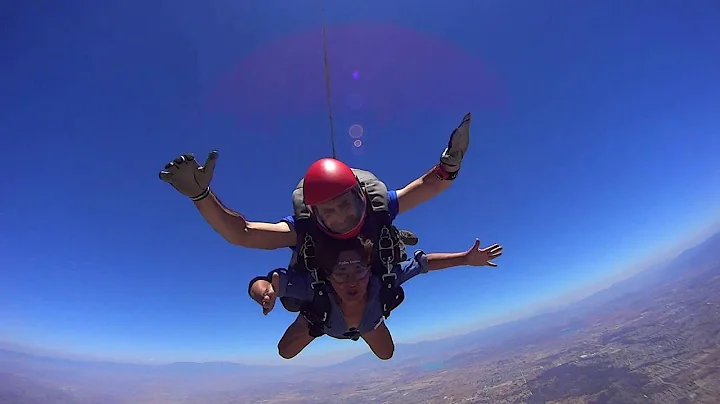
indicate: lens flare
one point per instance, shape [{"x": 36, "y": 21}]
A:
[
  {"x": 398, "y": 64},
  {"x": 356, "y": 131},
  {"x": 358, "y": 143}
]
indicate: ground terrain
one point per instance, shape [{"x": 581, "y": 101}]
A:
[{"x": 654, "y": 338}]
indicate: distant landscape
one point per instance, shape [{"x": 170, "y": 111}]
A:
[{"x": 653, "y": 338}]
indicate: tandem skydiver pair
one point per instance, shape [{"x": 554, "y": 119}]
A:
[{"x": 349, "y": 260}]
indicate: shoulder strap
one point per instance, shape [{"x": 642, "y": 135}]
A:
[
  {"x": 375, "y": 190},
  {"x": 391, "y": 296},
  {"x": 389, "y": 251},
  {"x": 300, "y": 210},
  {"x": 388, "y": 247},
  {"x": 316, "y": 312}
]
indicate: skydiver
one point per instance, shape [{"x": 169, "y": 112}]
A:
[
  {"x": 332, "y": 201},
  {"x": 338, "y": 200},
  {"x": 355, "y": 295}
]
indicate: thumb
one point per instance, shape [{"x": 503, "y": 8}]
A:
[
  {"x": 209, "y": 166},
  {"x": 272, "y": 293},
  {"x": 165, "y": 176},
  {"x": 275, "y": 282},
  {"x": 476, "y": 246}
]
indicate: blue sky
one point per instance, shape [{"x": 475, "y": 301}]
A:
[{"x": 595, "y": 140}]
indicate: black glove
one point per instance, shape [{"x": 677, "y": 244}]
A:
[
  {"x": 408, "y": 237},
  {"x": 457, "y": 146},
  {"x": 189, "y": 178}
]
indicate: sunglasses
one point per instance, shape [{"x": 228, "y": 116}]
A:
[{"x": 343, "y": 276}]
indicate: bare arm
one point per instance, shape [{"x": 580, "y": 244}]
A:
[
  {"x": 437, "y": 261},
  {"x": 420, "y": 191},
  {"x": 439, "y": 177},
  {"x": 238, "y": 231},
  {"x": 475, "y": 256},
  {"x": 295, "y": 339}
]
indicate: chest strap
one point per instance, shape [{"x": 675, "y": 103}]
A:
[
  {"x": 316, "y": 312},
  {"x": 388, "y": 247},
  {"x": 391, "y": 294}
]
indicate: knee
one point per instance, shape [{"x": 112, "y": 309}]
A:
[
  {"x": 285, "y": 349},
  {"x": 284, "y": 352},
  {"x": 386, "y": 355},
  {"x": 285, "y": 355}
]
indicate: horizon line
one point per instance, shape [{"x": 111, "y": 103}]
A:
[{"x": 576, "y": 295}]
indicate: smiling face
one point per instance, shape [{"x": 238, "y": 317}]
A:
[{"x": 350, "y": 276}]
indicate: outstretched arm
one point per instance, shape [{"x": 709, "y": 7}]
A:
[
  {"x": 421, "y": 190},
  {"x": 475, "y": 257},
  {"x": 440, "y": 177},
  {"x": 191, "y": 179},
  {"x": 437, "y": 261},
  {"x": 422, "y": 263},
  {"x": 238, "y": 231}
]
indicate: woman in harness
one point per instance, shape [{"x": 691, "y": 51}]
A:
[{"x": 355, "y": 294}]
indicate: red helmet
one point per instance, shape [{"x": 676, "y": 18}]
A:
[{"x": 326, "y": 180}]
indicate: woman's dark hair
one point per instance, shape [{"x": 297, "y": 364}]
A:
[{"x": 328, "y": 251}]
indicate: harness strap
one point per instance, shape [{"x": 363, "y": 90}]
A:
[
  {"x": 389, "y": 249},
  {"x": 389, "y": 253},
  {"x": 317, "y": 312}
]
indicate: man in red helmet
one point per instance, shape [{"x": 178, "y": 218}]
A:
[{"x": 335, "y": 200}]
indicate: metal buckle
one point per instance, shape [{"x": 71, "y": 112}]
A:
[
  {"x": 308, "y": 251},
  {"x": 315, "y": 284},
  {"x": 386, "y": 248},
  {"x": 308, "y": 255}
]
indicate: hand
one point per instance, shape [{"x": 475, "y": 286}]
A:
[
  {"x": 457, "y": 146},
  {"x": 264, "y": 292},
  {"x": 185, "y": 175},
  {"x": 478, "y": 257},
  {"x": 407, "y": 237}
]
